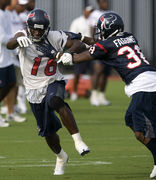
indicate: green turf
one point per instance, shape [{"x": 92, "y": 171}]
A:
[{"x": 115, "y": 154}]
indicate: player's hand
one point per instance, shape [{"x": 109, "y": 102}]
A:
[
  {"x": 72, "y": 35},
  {"x": 47, "y": 50},
  {"x": 23, "y": 41},
  {"x": 66, "y": 59}
]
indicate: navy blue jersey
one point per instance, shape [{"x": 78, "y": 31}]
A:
[{"x": 124, "y": 54}]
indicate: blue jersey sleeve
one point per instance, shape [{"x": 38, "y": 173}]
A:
[{"x": 98, "y": 51}]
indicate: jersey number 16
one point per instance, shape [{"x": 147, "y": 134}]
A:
[{"x": 51, "y": 63}]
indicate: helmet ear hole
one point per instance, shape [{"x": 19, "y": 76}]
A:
[
  {"x": 38, "y": 19},
  {"x": 110, "y": 24}
]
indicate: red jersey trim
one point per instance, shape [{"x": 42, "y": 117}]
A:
[{"x": 100, "y": 46}]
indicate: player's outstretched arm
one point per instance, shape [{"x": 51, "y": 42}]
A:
[
  {"x": 84, "y": 56},
  {"x": 88, "y": 40},
  {"x": 70, "y": 59},
  {"x": 18, "y": 40},
  {"x": 78, "y": 36},
  {"x": 75, "y": 46}
]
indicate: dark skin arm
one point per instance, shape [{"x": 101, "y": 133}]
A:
[
  {"x": 75, "y": 46},
  {"x": 12, "y": 43},
  {"x": 84, "y": 56},
  {"x": 88, "y": 40}
]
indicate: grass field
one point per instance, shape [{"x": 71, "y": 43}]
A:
[{"x": 115, "y": 153}]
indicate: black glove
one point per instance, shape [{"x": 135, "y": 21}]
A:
[
  {"x": 46, "y": 49},
  {"x": 72, "y": 35}
]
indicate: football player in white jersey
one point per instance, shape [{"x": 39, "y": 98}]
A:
[{"x": 45, "y": 84}]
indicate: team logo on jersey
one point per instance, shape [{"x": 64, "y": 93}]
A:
[{"x": 107, "y": 22}]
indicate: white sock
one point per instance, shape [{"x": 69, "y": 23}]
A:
[
  {"x": 61, "y": 154},
  {"x": 94, "y": 92},
  {"x": 101, "y": 94},
  {"x": 77, "y": 137}
]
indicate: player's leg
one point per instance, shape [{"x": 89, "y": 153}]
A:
[
  {"x": 11, "y": 115},
  {"x": 78, "y": 70},
  {"x": 7, "y": 82},
  {"x": 96, "y": 72},
  {"x": 53, "y": 142},
  {"x": 150, "y": 143},
  {"x": 151, "y": 115},
  {"x": 103, "y": 79},
  {"x": 141, "y": 117},
  {"x": 56, "y": 102},
  {"x": 5, "y": 90},
  {"x": 48, "y": 124},
  {"x": 74, "y": 95},
  {"x": 20, "y": 97}
]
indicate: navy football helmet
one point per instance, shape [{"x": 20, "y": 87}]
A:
[
  {"x": 110, "y": 24},
  {"x": 38, "y": 20}
]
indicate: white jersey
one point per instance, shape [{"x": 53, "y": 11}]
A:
[
  {"x": 81, "y": 24},
  {"x": 5, "y": 35},
  {"x": 145, "y": 82},
  {"x": 39, "y": 72}
]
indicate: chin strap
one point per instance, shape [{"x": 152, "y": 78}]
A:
[{"x": 115, "y": 32}]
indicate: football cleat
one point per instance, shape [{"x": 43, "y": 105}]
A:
[
  {"x": 94, "y": 102},
  {"x": 82, "y": 148},
  {"x": 60, "y": 165},
  {"x": 73, "y": 96},
  {"x": 20, "y": 108},
  {"x": 102, "y": 99},
  {"x": 153, "y": 173},
  {"x": 15, "y": 117},
  {"x": 3, "y": 123},
  {"x": 4, "y": 110}
]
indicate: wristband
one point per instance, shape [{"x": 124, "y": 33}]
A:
[
  {"x": 82, "y": 38},
  {"x": 57, "y": 55}
]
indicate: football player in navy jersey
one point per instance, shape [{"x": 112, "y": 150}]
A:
[{"x": 121, "y": 50}]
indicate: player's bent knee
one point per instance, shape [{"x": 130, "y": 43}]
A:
[
  {"x": 140, "y": 137},
  {"x": 10, "y": 85},
  {"x": 56, "y": 103}
]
